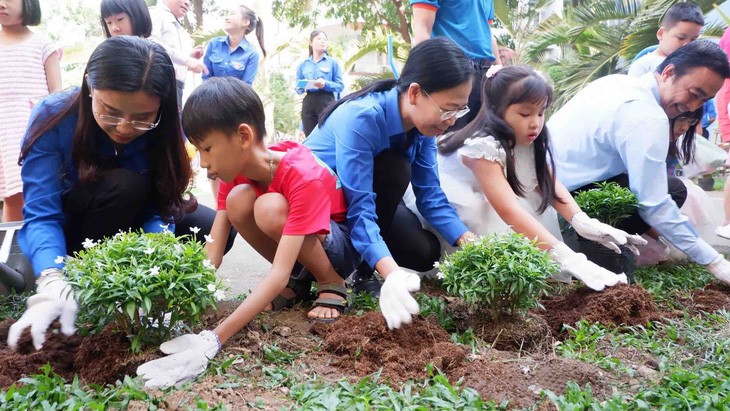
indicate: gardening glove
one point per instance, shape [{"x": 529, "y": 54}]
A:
[
  {"x": 187, "y": 358},
  {"x": 609, "y": 237},
  {"x": 396, "y": 302},
  {"x": 720, "y": 268},
  {"x": 53, "y": 299},
  {"x": 592, "y": 275}
]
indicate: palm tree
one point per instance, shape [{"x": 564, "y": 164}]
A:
[{"x": 598, "y": 38}]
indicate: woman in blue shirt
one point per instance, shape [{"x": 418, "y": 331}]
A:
[
  {"x": 104, "y": 158},
  {"x": 326, "y": 80},
  {"x": 378, "y": 140},
  {"x": 233, "y": 55}
]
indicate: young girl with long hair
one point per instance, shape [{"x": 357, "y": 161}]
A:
[
  {"x": 125, "y": 18},
  {"x": 497, "y": 173}
]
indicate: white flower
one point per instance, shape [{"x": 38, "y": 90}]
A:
[
  {"x": 211, "y": 287},
  {"x": 194, "y": 230},
  {"x": 59, "y": 259},
  {"x": 208, "y": 264},
  {"x": 208, "y": 238},
  {"x": 155, "y": 270},
  {"x": 165, "y": 227},
  {"x": 440, "y": 275},
  {"x": 219, "y": 295},
  {"x": 436, "y": 264},
  {"x": 88, "y": 243},
  {"x": 149, "y": 250}
]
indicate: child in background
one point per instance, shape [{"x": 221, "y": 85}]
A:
[
  {"x": 125, "y": 18},
  {"x": 37, "y": 58},
  {"x": 681, "y": 25},
  {"x": 285, "y": 202},
  {"x": 497, "y": 173}
]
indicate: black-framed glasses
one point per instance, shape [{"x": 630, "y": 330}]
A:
[
  {"x": 448, "y": 114},
  {"x": 137, "y": 125}
]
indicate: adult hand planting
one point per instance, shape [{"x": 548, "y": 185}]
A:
[
  {"x": 720, "y": 268},
  {"x": 608, "y": 236},
  {"x": 396, "y": 302},
  {"x": 53, "y": 299},
  {"x": 187, "y": 358},
  {"x": 592, "y": 275}
]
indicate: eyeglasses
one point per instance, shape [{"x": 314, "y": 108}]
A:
[
  {"x": 448, "y": 114},
  {"x": 687, "y": 120},
  {"x": 137, "y": 125}
]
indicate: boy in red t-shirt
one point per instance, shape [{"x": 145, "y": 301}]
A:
[{"x": 285, "y": 202}]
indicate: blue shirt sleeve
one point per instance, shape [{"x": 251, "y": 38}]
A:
[
  {"x": 42, "y": 239},
  {"x": 335, "y": 85},
  {"x": 207, "y": 62},
  {"x": 300, "y": 76},
  {"x": 252, "y": 68},
  {"x": 430, "y": 198}
]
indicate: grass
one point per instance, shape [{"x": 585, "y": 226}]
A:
[
  {"x": 665, "y": 281},
  {"x": 13, "y": 305}
]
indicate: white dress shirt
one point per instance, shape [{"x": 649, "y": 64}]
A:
[{"x": 167, "y": 31}]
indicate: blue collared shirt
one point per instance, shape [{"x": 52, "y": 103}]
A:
[
  {"x": 613, "y": 126},
  {"x": 708, "y": 112},
  {"x": 241, "y": 63},
  {"x": 326, "y": 68},
  {"x": 48, "y": 172},
  {"x": 350, "y": 139}
]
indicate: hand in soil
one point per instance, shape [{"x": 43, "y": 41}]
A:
[
  {"x": 187, "y": 358},
  {"x": 396, "y": 302},
  {"x": 593, "y": 275},
  {"x": 720, "y": 268},
  {"x": 53, "y": 299}
]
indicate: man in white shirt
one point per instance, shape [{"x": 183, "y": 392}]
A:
[
  {"x": 169, "y": 32},
  {"x": 617, "y": 128}
]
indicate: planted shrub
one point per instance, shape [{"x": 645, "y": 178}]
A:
[
  {"x": 609, "y": 203},
  {"x": 500, "y": 273},
  {"x": 147, "y": 283}
]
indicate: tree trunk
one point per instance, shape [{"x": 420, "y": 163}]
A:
[{"x": 198, "y": 10}]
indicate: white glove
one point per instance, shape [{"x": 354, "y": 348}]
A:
[
  {"x": 720, "y": 268},
  {"x": 609, "y": 237},
  {"x": 593, "y": 275},
  {"x": 187, "y": 358},
  {"x": 396, "y": 302},
  {"x": 53, "y": 299}
]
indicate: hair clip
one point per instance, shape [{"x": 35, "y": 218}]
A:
[{"x": 493, "y": 70}]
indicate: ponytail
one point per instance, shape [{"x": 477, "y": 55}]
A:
[
  {"x": 374, "y": 87},
  {"x": 254, "y": 23},
  {"x": 260, "y": 34}
]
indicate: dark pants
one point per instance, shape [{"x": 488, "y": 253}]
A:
[
  {"x": 410, "y": 245},
  {"x": 475, "y": 98},
  {"x": 312, "y": 105},
  {"x": 119, "y": 201},
  {"x": 635, "y": 224}
]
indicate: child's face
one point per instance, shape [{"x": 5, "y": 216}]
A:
[
  {"x": 121, "y": 114},
  {"x": 220, "y": 155},
  {"x": 11, "y": 12},
  {"x": 119, "y": 24},
  {"x": 677, "y": 36},
  {"x": 527, "y": 121},
  {"x": 430, "y": 108},
  {"x": 682, "y": 125}
]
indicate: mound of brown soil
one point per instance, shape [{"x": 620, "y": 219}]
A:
[
  {"x": 621, "y": 304},
  {"x": 99, "y": 359},
  {"x": 708, "y": 300},
  {"x": 364, "y": 345}
]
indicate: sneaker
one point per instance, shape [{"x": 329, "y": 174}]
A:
[{"x": 723, "y": 231}]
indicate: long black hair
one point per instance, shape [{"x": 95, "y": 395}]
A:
[
  {"x": 137, "y": 11},
  {"x": 128, "y": 64},
  {"x": 436, "y": 64},
  {"x": 511, "y": 85},
  {"x": 684, "y": 152}
]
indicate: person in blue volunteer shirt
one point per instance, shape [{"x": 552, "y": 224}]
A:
[
  {"x": 326, "y": 77},
  {"x": 232, "y": 55},
  {"x": 380, "y": 139},
  {"x": 468, "y": 24},
  {"x": 617, "y": 129}
]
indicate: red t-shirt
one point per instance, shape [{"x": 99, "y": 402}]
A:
[{"x": 313, "y": 190}]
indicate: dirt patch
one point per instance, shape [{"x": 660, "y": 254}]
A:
[
  {"x": 507, "y": 333},
  {"x": 364, "y": 345},
  {"x": 501, "y": 377},
  {"x": 621, "y": 304},
  {"x": 98, "y": 359}
]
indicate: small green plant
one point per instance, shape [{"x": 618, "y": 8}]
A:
[
  {"x": 500, "y": 273},
  {"x": 609, "y": 203},
  {"x": 147, "y": 283}
]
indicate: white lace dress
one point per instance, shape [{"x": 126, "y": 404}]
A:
[{"x": 466, "y": 196}]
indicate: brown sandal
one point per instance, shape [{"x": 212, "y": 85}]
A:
[{"x": 329, "y": 302}]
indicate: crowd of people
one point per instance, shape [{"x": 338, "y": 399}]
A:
[{"x": 389, "y": 178}]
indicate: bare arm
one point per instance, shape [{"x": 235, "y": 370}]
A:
[
  {"x": 423, "y": 19},
  {"x": 567, "y": 209},
  {"x": 495, "y": 50},
  {"x": 52, "y": 66},
  {"x": 219, "y": 234},
  {"x": 494, "y": 184}
]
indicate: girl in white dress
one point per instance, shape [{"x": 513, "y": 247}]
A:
[{"x": 497, "y": 173}]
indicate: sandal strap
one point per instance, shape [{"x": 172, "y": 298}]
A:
[
  {"x": 339, "y": 290},
  {"x": 333, "y": 303}
]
